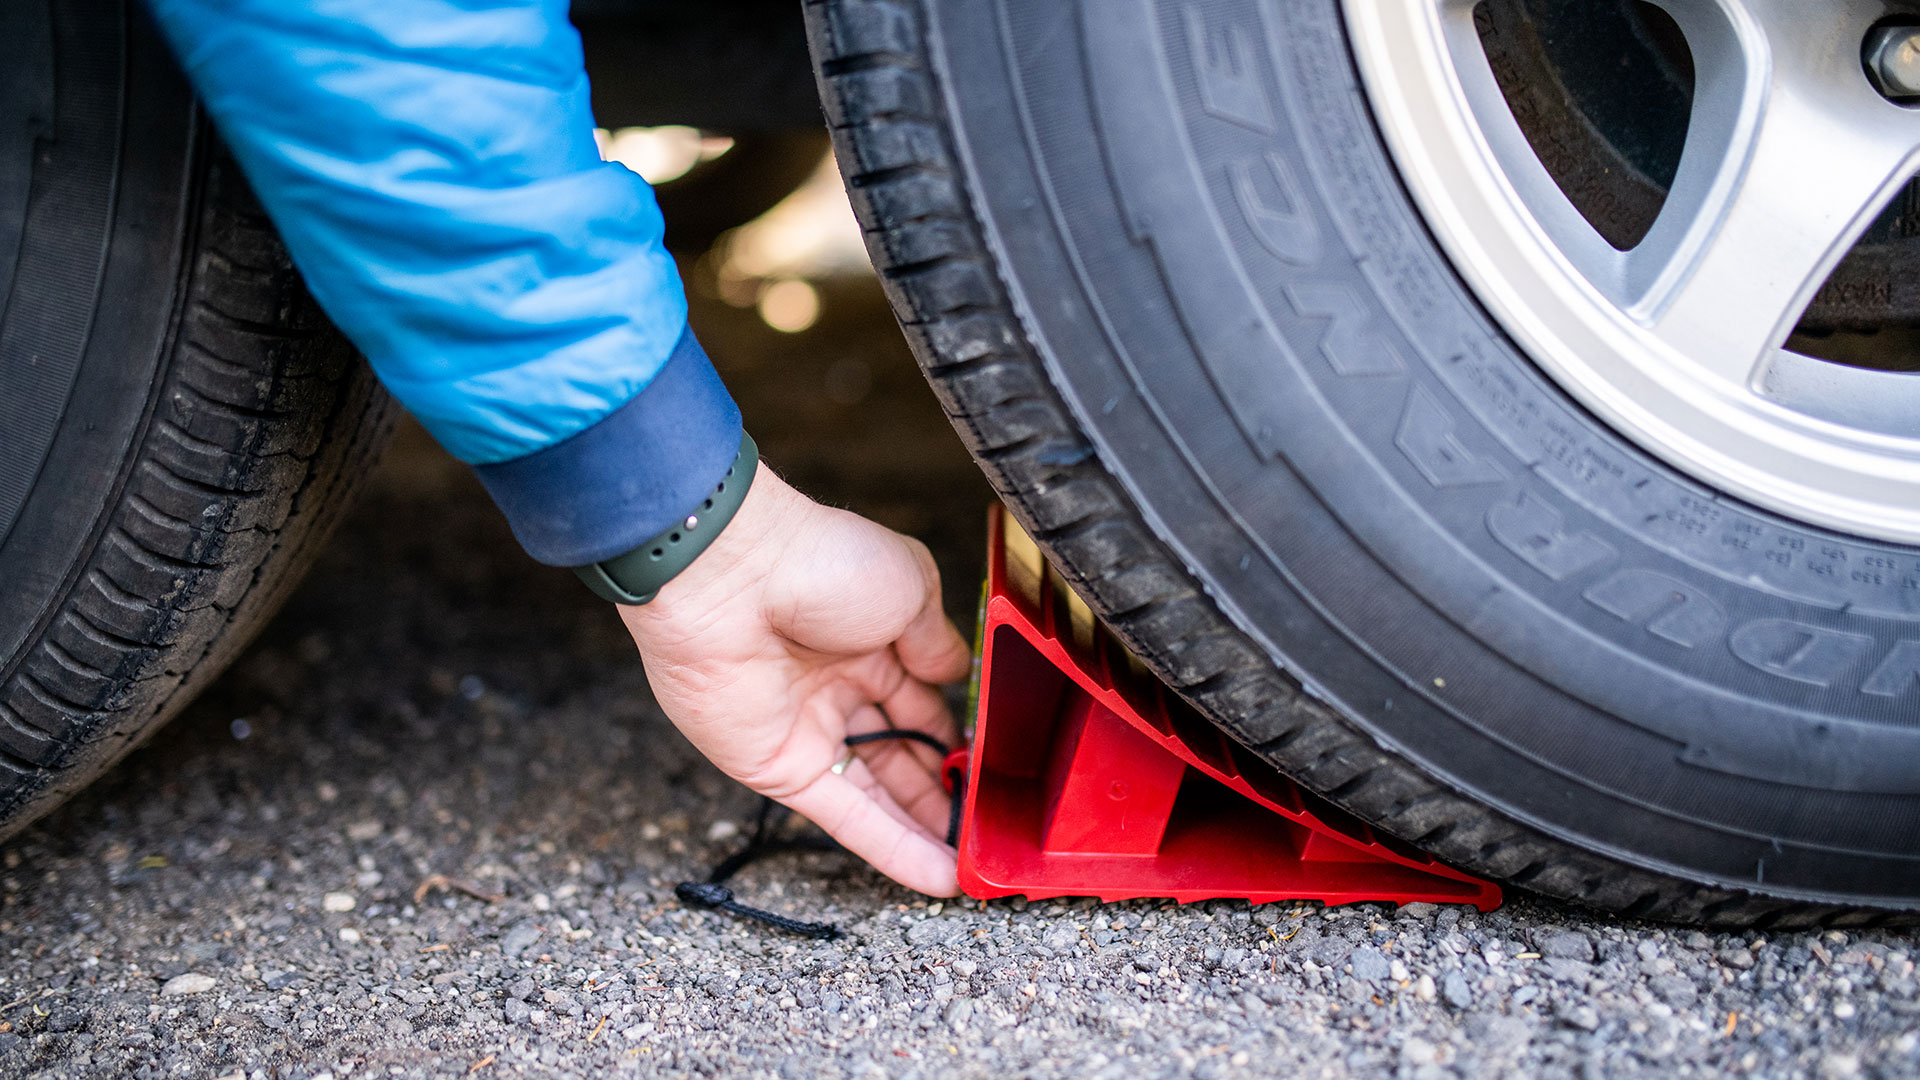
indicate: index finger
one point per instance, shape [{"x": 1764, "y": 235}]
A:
[{"x": 855, "y": 816}]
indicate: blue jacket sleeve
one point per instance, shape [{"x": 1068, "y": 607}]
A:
[{"x": 432, "y": 168}]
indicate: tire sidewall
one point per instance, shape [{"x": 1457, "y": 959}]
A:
[{"x": 1377, "y": 486}]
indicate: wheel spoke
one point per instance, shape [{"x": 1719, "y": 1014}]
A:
[{"x": 1789, "y": 157}]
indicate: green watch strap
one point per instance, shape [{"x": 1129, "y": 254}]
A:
[{"x": 636, "y": 577}]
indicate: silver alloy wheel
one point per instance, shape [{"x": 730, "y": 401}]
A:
[{"x": 1790, "y": 154}]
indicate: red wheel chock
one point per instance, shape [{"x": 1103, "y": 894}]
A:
[{"x": 1086, "y": 777}]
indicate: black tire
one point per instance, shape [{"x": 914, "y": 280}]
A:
[
  {"x": 1367, "y": 567},
  {"x": 179, "y": 426}
]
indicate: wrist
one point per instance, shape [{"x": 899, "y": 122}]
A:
[
  {"x": 636, "y": 577},
  {"x": 729, "y": 582},
  {"x": 743, "y": 557}
]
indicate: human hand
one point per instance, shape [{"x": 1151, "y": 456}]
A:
[{"x": 799, "y": 626}]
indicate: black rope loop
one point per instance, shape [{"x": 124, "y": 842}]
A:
[
  {"x": 720, "y": 898},
  {"x": 715, "y": 896}
]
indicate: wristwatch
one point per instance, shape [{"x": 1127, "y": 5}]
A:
[{"x": 636, "y": 577}]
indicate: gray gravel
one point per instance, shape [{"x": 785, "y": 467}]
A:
[{"x": 256, "y": 892}]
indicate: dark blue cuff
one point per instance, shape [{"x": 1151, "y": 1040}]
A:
[{"x": 606, "y": 490}]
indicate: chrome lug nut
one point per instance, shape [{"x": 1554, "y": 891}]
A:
[{"x": 1893, "y": 60}]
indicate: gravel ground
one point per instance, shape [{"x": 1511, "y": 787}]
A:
[{"x": 430, "y": 825}]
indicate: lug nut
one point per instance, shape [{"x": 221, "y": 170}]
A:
[{"x": 1893, "y": 60}]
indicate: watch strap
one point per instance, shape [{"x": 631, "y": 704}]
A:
[{"x": 636, "y": 577}]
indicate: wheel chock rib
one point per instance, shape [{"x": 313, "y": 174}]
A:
[{"x": 1086, "y": 777}]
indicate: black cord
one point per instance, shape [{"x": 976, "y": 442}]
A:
[
  {"x": 762, "y": 843},
  {"x": 958, "y": 776},
  {"x": 720, "y": 898},
  {"x": 890, "y": 733}
]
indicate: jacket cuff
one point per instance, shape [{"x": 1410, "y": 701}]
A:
[{"x": 608, "y": 488}]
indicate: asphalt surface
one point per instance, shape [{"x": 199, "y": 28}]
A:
[{"x": 431, "y": 823}]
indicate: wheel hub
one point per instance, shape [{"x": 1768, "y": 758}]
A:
[{"x": 1689, "y": 310}]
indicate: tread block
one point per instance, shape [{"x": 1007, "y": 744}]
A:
[
  {"x": 930, "y": 290},
  {"x": 934, "y": 240},
  {"x": 204, "y": 463},
  {"x": 256, "y": 433},
  {"x": 36, "y": 709},
  {"x": 26, "y": 744},
  {"x": 101, "y": 655},
  {"x": 200, "y": 543},
  {"x": 140, "y": 572},
  {"x": 879, "y": 92},
  {"x": 1026, "y": 420},
  {"x": 905, "y": 198},
  {"x": 887, "y": 145},
  {"x": 267, "y": 391},
  {"x": 109, "y": 610},
  {"x": 180, "y": 498},
  {"x": 867, "y": 27},
  {"x": 968, "y": 337},
  {"x": 293, "y": 354}
]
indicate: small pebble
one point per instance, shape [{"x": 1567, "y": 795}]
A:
[
  {"x": 190, "y": 983},
  {"x": 1839, "y": 1066},
  {"x": 519, "y": 938},
  {"x": 1418, "y": 1051},
  {"x": 936, "y": 931},
  {"x": 1565, "y": 944},
  {"x": 1583, "y": 1017},
  {"x": 1370, "y": 965}
]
